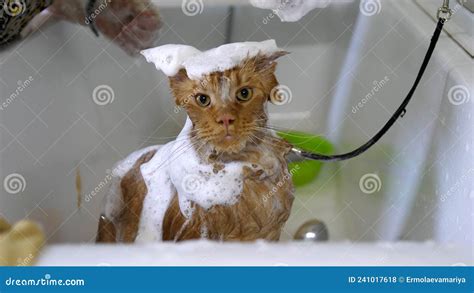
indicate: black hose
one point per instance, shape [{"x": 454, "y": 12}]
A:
[{"x": 399, "y": 113}]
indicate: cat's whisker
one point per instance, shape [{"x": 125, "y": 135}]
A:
[
  {"x": 181, "y": 149},
  {"x": 260, "y": 144},
  {"x": 162, "y": 140},
  {"x": 291, "y": 134},
  {"x": 167, "y": 138},
  {"x": 263, "y": 141}
]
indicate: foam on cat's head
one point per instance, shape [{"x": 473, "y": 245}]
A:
[{"x": 171, "y": 58}]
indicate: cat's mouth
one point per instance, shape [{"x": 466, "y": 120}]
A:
[
  {"x": 228, "y": 137},
  {"x": 228, "y": 142}
]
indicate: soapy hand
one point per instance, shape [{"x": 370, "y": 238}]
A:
[{"x": 131, "y": 24}]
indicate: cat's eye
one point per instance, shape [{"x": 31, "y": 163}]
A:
[
  {"x": 203, "y": 100},
  {"x": 244, "y": 94}
]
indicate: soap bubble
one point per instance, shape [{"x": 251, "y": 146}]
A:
[
  {"x": 458, "y": 95},
  {"x": 14, "y": 183},
  {"x": 370, "y": 183},
  {"x": 103, "y": 95},
  {"x": 192, "y": 7},
  {"x": 370, "y": 7}
]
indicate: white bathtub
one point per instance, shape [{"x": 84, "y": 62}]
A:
[{"x": 53, "y": 130}]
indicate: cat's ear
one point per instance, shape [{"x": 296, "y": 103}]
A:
[
  {"x": 266, "y": 63},
  {"x": 263, "y": 66},
  {"x": 178, "y": 78},
  {"x": 179, "y": 84}
]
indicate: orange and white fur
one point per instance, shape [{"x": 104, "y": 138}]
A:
[{"x": 225, "y": 177}]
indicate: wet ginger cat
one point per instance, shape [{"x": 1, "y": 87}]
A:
[{"x": 225, "y": 176}]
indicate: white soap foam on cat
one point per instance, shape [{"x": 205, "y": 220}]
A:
[
  {"x": 197, "y": 182},
  {"x": 176, "y": 167},
  {"x": 171, "y": 58},
  {"x": 292, "y": 10},
  {"x": 114, "y": 198}
]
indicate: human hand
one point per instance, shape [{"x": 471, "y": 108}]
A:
[{"x": 131, "y": 24}]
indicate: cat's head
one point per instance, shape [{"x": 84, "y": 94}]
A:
[{"x": 228, "y": 108}]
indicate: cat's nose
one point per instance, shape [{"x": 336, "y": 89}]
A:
[{"x": 226, "y": 120}]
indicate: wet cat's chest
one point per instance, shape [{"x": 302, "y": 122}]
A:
[
  {"x": 259, "y": 210},
  {"x": 180, "y": 195}
]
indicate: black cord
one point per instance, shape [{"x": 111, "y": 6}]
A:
[{"x": 399, "y": 113}]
